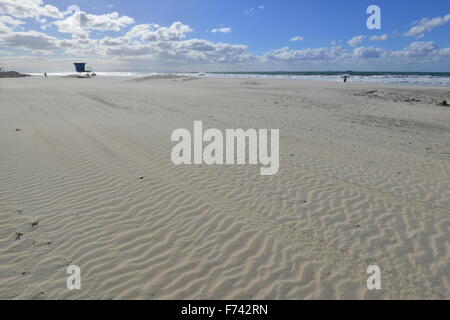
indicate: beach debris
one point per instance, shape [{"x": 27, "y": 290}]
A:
[
  {"x": 444, "y": 103},
  {"x": 174, "y": 77},
  {"x": 412, "y": 100},
  {"x": 141, "y": 178},
  {"x": 251, "y": 83},
  {"x": 18, "y": 130},
  {"x": 34, "y": 223},
  {"x": 79, "y": 76},
  {"x": 18, "y": 235}
]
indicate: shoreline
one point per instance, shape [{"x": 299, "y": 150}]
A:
[{"x": 418, "y": 80}]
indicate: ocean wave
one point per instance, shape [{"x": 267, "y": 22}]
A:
[{"x": 416, "y": 79}]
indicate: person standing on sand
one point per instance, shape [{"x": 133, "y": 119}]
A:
[
  {"x": 345, "y": 78},
  {"x": 45, "y": 74}
]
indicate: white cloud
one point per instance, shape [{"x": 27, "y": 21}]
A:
[
  {"x": 175, "y": 32},
  {"x": 221, "y": 30},
  {"x": 297, "y": 38},
  {"x": 29, "y": 40},
  {"x": 138, "y": 31},
  {"x": 80, "y": 23},
  {"x": 72, "y": 9},
  {"x": 285, "y": 54},
  {"x": 353, "y": 42},
  {"x": 444, "y": 53},
  {"x": 7, "y": 20},
  {"x": 29, "y": 9},
  {"x": 419, "y": 49},
  {"x": 167, "y": 44},
  {"x": 153, "y": 32},
  {"x": 416, "y": 52},
  {"x": 108, "y": 41},
  {"x": 254, "y": 9},
  {"x": 183, "y": 51},
  {"x": 4, "y": 29},
  {"x": 146, "y": 42},
  {"x": 425, "y": 25},
  {"x": 7, "y": 24},
  {"x": 371, "y": 52},
  {"x": 383, "y": 37}
]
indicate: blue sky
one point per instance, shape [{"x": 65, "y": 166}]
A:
[{"x": 210, "y": 35}]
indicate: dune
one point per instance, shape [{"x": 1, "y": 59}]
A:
[
  {"x": 11, "y": 74},
  {"x": 88, "y": 180}
]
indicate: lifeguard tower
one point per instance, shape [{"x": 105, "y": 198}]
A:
[{"x": 83, "y": 69}]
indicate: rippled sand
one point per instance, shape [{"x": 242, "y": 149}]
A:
[{"x": 87, "y": 179}]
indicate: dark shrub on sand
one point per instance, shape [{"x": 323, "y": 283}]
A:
[{"x": 11, "y": 74}]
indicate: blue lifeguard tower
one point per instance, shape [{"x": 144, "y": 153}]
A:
[
  {"x": 80, "y": 66},
  {"x": 83, "y": 70}
]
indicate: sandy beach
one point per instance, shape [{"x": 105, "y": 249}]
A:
[{"x": 86, "y": 179}]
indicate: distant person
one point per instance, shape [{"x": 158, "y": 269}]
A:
[
  {"x": 345, "y": 78},
  {"x": 45, "y": 74}
]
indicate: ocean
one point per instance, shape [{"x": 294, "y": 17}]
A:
[{"x": 439, "y": 79}]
